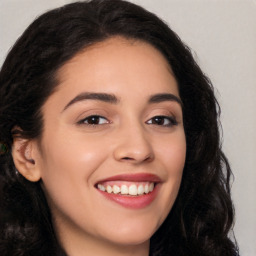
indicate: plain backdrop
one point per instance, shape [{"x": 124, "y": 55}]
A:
[{"x": 222, "y": 35}]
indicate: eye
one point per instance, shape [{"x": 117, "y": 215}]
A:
[
  {"x": 94, "y": 120},
  {"x": 162, "y": 121}
]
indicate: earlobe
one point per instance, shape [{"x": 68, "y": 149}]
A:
[{"x": 24, "y": 153}]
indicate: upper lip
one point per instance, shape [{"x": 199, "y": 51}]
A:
[{"x": 135, "y": 177}]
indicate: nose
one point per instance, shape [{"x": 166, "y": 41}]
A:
[{"x": 134, "y": 146}]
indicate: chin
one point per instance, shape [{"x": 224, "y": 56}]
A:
[{"x": 132, "y": 235}]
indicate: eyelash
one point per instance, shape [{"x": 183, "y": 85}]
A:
[
  {"x": 156, "y": 120},
  {"x": 170, "y": 119},
  {"x": 97, "y": 117}
]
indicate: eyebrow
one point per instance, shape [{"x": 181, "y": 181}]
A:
[
  {"x": 112, "y": 99},
  {"x": 105, "y": 97},
  {"x": 157, "y": 98}
]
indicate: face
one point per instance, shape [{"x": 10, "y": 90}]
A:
[{"x": 113, "y": 147}]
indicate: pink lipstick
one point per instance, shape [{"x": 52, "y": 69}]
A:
[{"x": 130, "y": 190}]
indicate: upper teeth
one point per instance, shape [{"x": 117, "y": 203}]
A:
[{"x": 133, "y": 189}]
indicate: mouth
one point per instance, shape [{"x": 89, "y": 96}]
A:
[
  {"x": 131, "y": 191},
  {"x": 127, "y": 188}
]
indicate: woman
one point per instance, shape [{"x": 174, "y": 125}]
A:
[{"x": 110, "y": 141}]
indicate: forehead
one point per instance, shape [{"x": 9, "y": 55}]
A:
[
  {"x": 114, "y": 53},
  {"x": 126, "y": 68}
]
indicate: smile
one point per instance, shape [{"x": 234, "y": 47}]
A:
[
  {"x": 131, "y": 191},
  {"x": 129, "y": 188}
]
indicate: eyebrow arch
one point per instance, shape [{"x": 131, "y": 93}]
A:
[
  {"x": 157, "y": 98},
  {"x": 105, "y": 97}
]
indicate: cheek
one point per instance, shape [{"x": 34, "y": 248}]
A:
[
  {"x": 68, "y": 164},
  {"x": 72, "y": 152},
  {"x": 172, "y": 154},
  {"x": 176, "y": 161},
  {"x": 67, "y": 167},
  {"x": 172, "y": 151}
]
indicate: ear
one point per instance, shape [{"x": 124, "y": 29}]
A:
[{"x": 25, "y": 154}]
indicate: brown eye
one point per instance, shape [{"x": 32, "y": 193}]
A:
[
  {"x": 94, "y": 120},
  {"x": 162, "y": 121}
]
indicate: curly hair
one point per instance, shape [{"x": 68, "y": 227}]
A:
[{"x": 202, "y": 217}]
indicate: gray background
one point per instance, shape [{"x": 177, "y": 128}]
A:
[{"x": 222, "y": 34}]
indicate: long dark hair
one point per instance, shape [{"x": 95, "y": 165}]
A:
[{"x": 202, "y": 216}]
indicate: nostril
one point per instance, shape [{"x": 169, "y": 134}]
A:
[
  {"x": 132, "y": 153},
  {"x": 146, "y": 159},
  {"x": 127, "y": 158}
]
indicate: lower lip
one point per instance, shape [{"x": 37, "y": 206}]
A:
[{"x": 133, "y": 202}]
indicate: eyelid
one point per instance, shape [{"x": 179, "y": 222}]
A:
[
  {"x": 172, "y": 120},
  {"x": 85, "y": 112},
  {"x": 166, "y": 109},
  {"x": 82, "y": 121}
]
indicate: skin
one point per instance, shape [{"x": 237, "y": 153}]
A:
[{"x": 72, "y": 156}]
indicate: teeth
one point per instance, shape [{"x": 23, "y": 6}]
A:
[
  {"x": 151, "y": 187},
  {"x": 146, "y": 189},
  {"x": 132, "y": 190},
  {"x": 109, "y": 189},
  {"x": 124, "y": 190},
  {"x": 101, "y": 187},
  {"x": 140, "y": 190},
  {"x": 116, "y": 189}
]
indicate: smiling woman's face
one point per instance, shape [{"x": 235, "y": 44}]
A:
[{"x": 114, "y": 124}]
